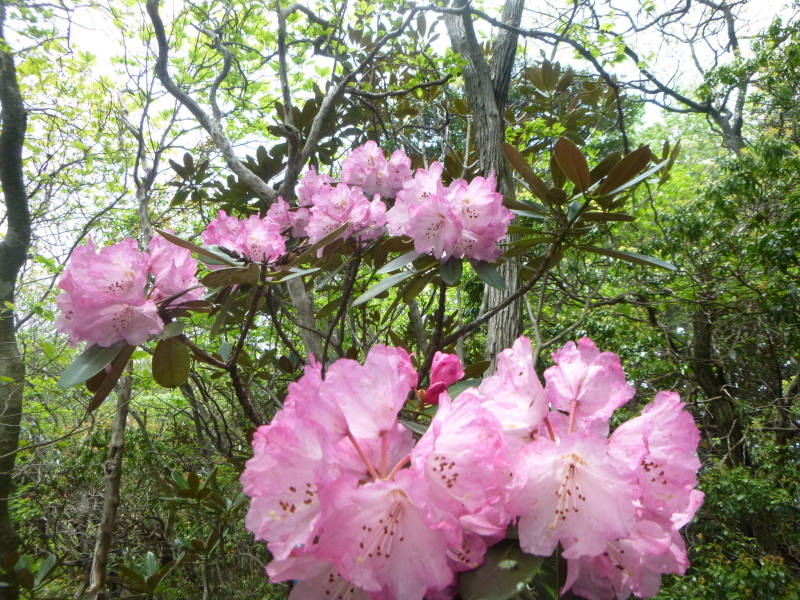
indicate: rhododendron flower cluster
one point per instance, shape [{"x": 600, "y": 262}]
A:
[
  {"x": 104, "y": 299},
  {"x": 352, "y": 507},
  {"x": 368, "y": 168},
  {"x": 257, "y": 238},
  {"x": 462, "y": 219}
]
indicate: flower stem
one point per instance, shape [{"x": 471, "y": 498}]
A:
[
  {"x": 384, "y": 453},
  {"x": 363, "y": 456},
  {"x": 401, "y": 463}
]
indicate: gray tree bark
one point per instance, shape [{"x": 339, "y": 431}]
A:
[
  {"x": 111, "y": 497},
  {"x": 13, "y": 254},
  {"x": 487, "y": 92}
]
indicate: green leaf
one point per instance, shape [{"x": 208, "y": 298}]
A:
[
  {"x": 505, "y": 572},
  {"x": 49, "y": 350},
  {"x": 604, "y": 167},
  {"x": 488, "y": 274},
  {"x": 418, "y": 428},
  {"x": 636, "y": 180},
  {"x": 601, "y": 216},
  {"x": 382, "y": 286},
  {"x": 178, "y": 478},
  {"x": 450, "y": 270},
  {"x": 521, "y": 166},
  {"x": 44, "y": 569},
  {"x": 171, "y": 363},
  {"x": 327, "y": 310},
  {"x": 93, "y": 360},
  {"x": 398, "y": 263},
  {"x": 195, "y": 248},
  {"x": 171, "y": 330},
  {"x": 454, "y": 390},
  {"x": 151, "y": 565},
  {"x": 107, "y": 385},
  {"x": 631, "y": 257},
  {"x": 295, "y": 272},
  {"x": 475, "y": 369},
  {"x": 232, "y": 276},
  {"x": 573, "y": 209}
]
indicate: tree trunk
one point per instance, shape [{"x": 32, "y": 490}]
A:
[
  {"x": 711, "y": 379},
  {"x": 113, "y": 477},
  {"x": 13, "y": 254},
  {"x": 487, "y": 90}
]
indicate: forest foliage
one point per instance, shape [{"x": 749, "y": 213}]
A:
[{"x": 684, "y": 261}]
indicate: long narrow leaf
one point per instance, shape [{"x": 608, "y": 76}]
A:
[
  {"x": 399, "y": 262},
  {"x": 631, "y": 257},
  {"x": 488, "y": 274},
  {"x": 195, "y": 248},
  {"x": 89, "y": 363},
  {"x": 382, "y": 286}
]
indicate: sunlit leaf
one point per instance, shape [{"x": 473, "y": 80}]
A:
[
  {"x": 382, "y": 286},
  {"x": 89, "y": 363}
]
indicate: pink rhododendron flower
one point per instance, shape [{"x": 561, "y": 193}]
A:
[
  {"x": 660, "y": 447},
  {"x": 257, "y": 238},
  {"x": 464, "y": 219},
  {"x": 223, "y": 231},
  {"x": 514, "y": 395},
  {"x": 367, "y": 167},
  {"x": 174, "y": 270},
  {"x": 414, "y": 193},
  {"x": 334, "y": 206},
  {"x": 587, "y": 383},
  {"x": 104, "y": 298},
  {"x": 287, "y": 217},
  {"x": 631, "y": 565},
  {"x": 376, "y": 534},
  {"x": 310, "y": 185},
  {"x": 433, "y": 226},
  {"x": 572, "y": 492},
  {"x": 340, "y": 491},
  {"x": 261, "y": 239},
  {"x": 350, "y": 505}
]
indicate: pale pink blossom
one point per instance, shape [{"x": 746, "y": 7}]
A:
[
  {"x": 257, "y": 238},
  {"x": 281, "y": 480},
  {"x": 463, "y": 219},
  {"x": 334, "y": 206},
  {"x": 115, "y": 274},
  {"x": 287, "y": 217},
  {"x": 631, "y": 565},
  {"x": 433, "y": 226},
  {"x": 174, "y": 271},
  {"x": 587, "y": 383},
  {"x": 660, "y": 446},
  {"x": 378, "y": 538},
  {"x": 414, "y": 193},
  {"x": 571, "y": 492},
  {"x": 223, "y": 231},
  {"x": 261, "y": 240},
  {"x": 461, "y": 456},
  {"x": 103, "y": 299},
  {"x": 514, "y": 395},
  {"x": 310, "y": 185},
  {"x": 367, "y": 167}
]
